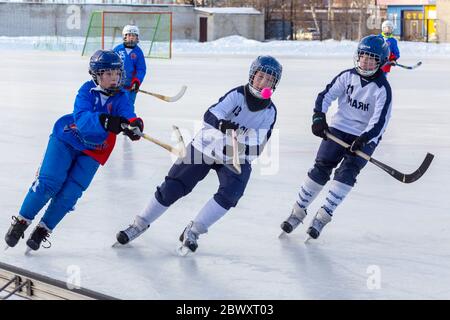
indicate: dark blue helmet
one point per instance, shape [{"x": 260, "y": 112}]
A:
[
  {"x": 375, "y": 47},
  {"x": 104, "y": 60},
  {"x": 268, "y": 65}
]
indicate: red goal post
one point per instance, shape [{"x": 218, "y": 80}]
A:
[{"x": 155, "y": 28}]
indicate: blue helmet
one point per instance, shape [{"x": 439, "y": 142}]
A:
[
  {"x": 268, "y": 65},
  {"x": 104, "y": 60},
  {"x": 374, "y": 47}
]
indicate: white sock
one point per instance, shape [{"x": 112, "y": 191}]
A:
[
  {"x": 153, "y": 211},
  {"x": 335, "y": 195},
  {"x": 210, "y": 213},
  {"x": 308, "y": 192}
]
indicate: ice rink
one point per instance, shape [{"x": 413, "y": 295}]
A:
[{"x": 387, "y": 240}]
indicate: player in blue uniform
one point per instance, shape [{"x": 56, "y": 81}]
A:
[
  {"x": 78, "y": 144},
  {"x": 133, "y": 59},
  {"x": 364, "y": 107},
  {"x": 247, "y": 109},
  {"x": 387, "y": 28}
]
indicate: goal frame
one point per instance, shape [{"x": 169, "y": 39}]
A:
[{"x": 107, "y": 12}]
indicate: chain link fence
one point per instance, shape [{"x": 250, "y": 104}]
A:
[{"x": 423, "y": 30}]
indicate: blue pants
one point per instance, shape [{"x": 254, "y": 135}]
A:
[
  {"x": 64, "y": 174},
  {"x": 183, "y": 177},
  {"x": 330, "y": 154},
  {"x": 132, "y": 98}
]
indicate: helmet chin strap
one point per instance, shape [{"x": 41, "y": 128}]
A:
[
  {"x": 367, "y": 73},
  {"x": 130, "y": 45},
  {"x": 255, "y": 92}
]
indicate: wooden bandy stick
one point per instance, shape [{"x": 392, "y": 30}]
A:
[
  {"x": 236, "y": 164},
  {"x": 179, "y": 151},
  {"x": 167, "y": 98}
]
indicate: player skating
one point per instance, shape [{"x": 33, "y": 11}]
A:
[
  {"x": 79, "y": 143},
  {"x": 249, "y": 110},
  {"x": 364, "y": 108},
  {"x": 133, "y": 59}
]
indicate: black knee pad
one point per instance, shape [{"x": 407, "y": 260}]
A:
[{"x": 170, "y": 191}]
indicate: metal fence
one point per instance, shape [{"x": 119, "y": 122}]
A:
[
  {"x": 424, "y": 30},
  {"x": 317, "y": 30}
]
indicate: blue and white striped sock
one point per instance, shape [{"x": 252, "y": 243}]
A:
[
  {"x": 308, "y": 192},
  {"x": 336, "y": 194}
]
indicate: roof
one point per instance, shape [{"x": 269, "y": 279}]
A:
[
  {"x": 229, "y": 10},
  {"x": 405, "y": 2}
]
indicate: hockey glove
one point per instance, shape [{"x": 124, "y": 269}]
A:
[
  {"x": 319, "y": 125},
  {"x": 136, "y": 124},
  {"x": 225, "y": 125},
  {"x": 135, "y": 84},
  {"x": 359, "y": 143},
  {"x": 112, "y": 123}
]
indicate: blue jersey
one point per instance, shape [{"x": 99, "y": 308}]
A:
[
  {"x": 133, "y": 62},
  {"x": 82, "y": 129},
  {"x": 392, "y": 42}
]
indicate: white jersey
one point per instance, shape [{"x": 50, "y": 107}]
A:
[
  {"x": 364, "y": 106},
  {"x": 255, "y": 127}
]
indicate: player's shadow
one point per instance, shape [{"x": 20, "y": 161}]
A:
[
  {"x": 127, "y": 157},
  {"x": 320, "y": 276}
]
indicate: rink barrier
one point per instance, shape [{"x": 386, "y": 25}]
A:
[{"x": 32, "y": 286}]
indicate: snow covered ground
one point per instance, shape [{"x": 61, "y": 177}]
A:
[
  {"x": 388, "y": 240},
  {"x": 234, "y": 45}
]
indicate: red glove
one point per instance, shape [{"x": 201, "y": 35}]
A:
[
  {"x": 137, "y": 124},
  {"x": 135, "y": 84}
]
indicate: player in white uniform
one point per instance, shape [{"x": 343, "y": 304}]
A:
[
  {"x": 364, "y": 108},
  {"x": 247, "y": 109}
]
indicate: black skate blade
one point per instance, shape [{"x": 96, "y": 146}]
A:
[
  {"x": 282, "y": 235},
  {"x": 28, "y": 251},
  {"x": 116, "y": 245},
  {"x": 119, "y": 245},
  {"x": 7, "y": 247}
]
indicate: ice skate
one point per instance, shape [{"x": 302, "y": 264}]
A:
[
  {"x": 40, "y": 235},
  {"x": 296, "y": 217},
  {"x": 320, "y": 220},
  {"x": 16, "y": 231},
  {"x": 189, "y": 239},
  {"x": 132, "y": 232}
]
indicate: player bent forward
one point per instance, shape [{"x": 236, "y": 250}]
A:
[{"x": 249, "y": 110}]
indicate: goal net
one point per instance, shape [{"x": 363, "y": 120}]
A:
[{"x": 155, "y": 28}]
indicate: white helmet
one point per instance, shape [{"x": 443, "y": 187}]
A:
[
  {"x": 387, "y": 27},
  {"x": 130, "y": 29}
]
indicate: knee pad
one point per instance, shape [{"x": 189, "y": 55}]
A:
[
  {"x": 320, "y": 174},
  {"x": 227, "y": 201},
  {"x": 170, "y": 191},
  {"x": 347, "y": 175},
  {"x": 46, "y": 187}
]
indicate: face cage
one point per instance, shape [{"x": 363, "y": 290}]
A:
[
  {"x": 96, "y": 77},
  {"x": 268, "y": 72},
  {"x": 388, "y": 30},
  {"x": 366, "y": 73},
  {"x": 131, "y": 43}
]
